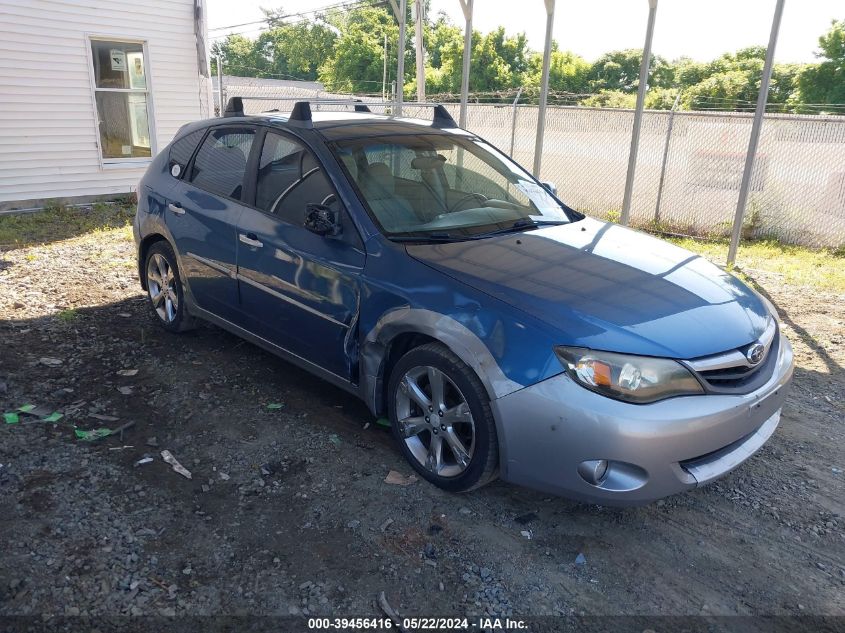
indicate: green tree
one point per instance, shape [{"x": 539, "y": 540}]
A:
[
  {"x": 824, "y": 83},
  {"x": 295, "y": 51},
  {"x": 239, "y": 56},
  {"x": 620, "y": 70},
  {"x": 568, "y": 72}
]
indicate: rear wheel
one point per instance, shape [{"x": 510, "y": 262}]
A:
[
  {"x": 442, "y": 420},
  {"x": 164, "y": 288}
]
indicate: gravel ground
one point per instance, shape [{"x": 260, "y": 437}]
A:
[{"x": 287, "y": 510}]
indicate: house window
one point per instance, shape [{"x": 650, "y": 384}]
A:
[{"x": 122, "y": 97}]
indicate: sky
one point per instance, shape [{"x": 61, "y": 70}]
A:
[{"x": 700, "y": 30}]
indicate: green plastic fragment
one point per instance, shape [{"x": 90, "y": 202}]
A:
[
  {"x": 26, "y": 408},
  {"x": 275, "y": 405},
  {"x": 11, "y": 418},
  {"x": 53, "y": 417},
  {"x": 383, "y": 422},
  {"x": 94, "y": 434}
]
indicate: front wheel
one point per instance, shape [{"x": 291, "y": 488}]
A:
[{"x": 442, "y": 420}]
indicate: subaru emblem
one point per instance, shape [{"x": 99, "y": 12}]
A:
[{"x": 755, "y": 353}]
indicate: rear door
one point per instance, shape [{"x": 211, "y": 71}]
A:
[
  {"x": 205, "y": 205},
  {"x": 299, "y": 290}
]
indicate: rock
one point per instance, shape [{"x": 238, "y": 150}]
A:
[
  {"x": 151, "y": 441},
  {"x": 465, "y": 511},
  {"x": 187, "y": 570},
  {"x": 353, "y": 525},
  {"x": 485, "y": 573}
]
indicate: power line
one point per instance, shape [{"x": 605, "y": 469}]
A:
[{"x": 348, "y": 4}]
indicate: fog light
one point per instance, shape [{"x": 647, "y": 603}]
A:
[{"x": 593, "y": 471}]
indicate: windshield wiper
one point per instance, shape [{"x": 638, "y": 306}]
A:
[
  {"x": 431, "y": 238},
  {"x": 523, "y": 225}
]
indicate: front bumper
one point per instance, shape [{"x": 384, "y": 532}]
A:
[{"x": 655, "y": 450}]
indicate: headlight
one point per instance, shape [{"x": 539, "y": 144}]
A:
[{"x": 638, "y": 379}]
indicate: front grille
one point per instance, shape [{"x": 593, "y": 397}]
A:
[{"x": 732, "y": 372}]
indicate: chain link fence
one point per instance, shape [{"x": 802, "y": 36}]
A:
[{"x": 689, "y": 164}]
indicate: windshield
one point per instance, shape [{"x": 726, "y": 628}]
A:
[{"x": 439, "y": 185}]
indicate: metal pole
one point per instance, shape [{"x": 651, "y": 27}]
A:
[
  {"x": 220, "y": 86},
  {"x": 665, "y": 157},
  {"x": 401, "y": 11},
  {"x": 513, "y": 118},
  {"x": 384, "y": 73},
  {"x": 638, "y": 115},
  {"x": 420, "y": 48},
  {"x": 756, "y": 127},
  {"x": 466, "y": 6},
  {"x": 544, "y": 87}
]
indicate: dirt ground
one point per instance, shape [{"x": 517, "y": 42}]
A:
[{"x": 287, "y": 511}]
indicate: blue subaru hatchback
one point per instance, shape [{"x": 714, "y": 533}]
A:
[{"x": 503, "y": 333}]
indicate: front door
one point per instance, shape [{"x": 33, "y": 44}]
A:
[
  {"x": 202, "y": 215},
  {"x": 298, "y": 290}
]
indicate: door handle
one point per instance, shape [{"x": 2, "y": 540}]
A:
[
  {"x": 250, "y": 239},
  {"x": 176, "y": 208}
]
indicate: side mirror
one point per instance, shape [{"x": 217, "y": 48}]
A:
[
  {"x": 322, "y": 220},
  {"x": 550, "y": 186}
]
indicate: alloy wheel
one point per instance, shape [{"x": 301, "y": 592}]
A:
[
  {"x": 435, "y": 421},
  {"x": 161, "y": 283}
]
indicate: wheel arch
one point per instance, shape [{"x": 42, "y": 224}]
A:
[
  {"x": 400, "y": 330},
  {"x": 144, "y": 248}
]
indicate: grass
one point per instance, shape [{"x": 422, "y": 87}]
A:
[
  {"x": 797, "y": 265},
  {"x": 68, "y": 315},
  {"x": 59, "y": 223}
]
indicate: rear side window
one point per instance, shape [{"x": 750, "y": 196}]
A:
[
  {"x": 182, "y": 150},
  {"x": 221, "y": 162}
]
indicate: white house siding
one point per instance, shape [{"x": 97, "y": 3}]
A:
[{"x": 48, "y": 123}]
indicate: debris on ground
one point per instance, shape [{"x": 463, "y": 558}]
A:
[
  {"x": 126, "y": 390},
  {"x": 398, "y": 479},
  {"x": 275, "y": 405},
  {"x": 526, "y": 534},
  {"x": 50, "y": 362},
  {"x": 390, "y": 612},
  {"x": 167, "y": 456},
  {"x": 127, "y": 372},
  {"x": 383, "y": 422},
  {"x": 92, "y": 435},
  {"x": 103, "y": 418},
  {"x": 144, "y": 460},
  {"x": 580, "y": 559},
  {"x": 334, "y": 439}
]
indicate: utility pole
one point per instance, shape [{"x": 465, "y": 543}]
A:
[
  {"x": 419, "y": 20},
  {"x": 466, "y": 7},
  {"x": 625, "y": 217},
  {"x": 384, "y": 74},
  {"x": 756, "y": 127}
]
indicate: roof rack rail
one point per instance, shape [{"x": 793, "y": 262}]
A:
[
  {"x": 235, "y": 105},
  {"x": 301, "y": 111}
]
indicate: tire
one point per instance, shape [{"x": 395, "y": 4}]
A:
[
  {"x": 164, "y": 288},
  {"x": 464, "y": 414}
]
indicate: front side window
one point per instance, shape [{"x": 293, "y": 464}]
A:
[
  {"x": 418, "y": 185},
  {"x": 289, "y": 178},
  {"x": 122, "y": 99},
  {"x": 220, "y": 163}
]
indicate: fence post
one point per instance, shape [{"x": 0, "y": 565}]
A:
[
  {"x": 756, "y": 126},
  {"x": 220, "y": 90},
  {"x": 513, "y": 118},
  {"x": 665, "y": 158}
]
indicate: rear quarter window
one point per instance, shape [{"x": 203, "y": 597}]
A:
[{"x": 182, "y": 150}]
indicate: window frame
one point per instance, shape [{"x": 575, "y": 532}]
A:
[{"x": 132, "y": 161}]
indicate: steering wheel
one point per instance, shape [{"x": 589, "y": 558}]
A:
[{"x": 478, "y": 196}]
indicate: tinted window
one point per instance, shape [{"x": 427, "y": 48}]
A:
[
  {"x": 182, "y": 150},
  {"x": 221, "y": 162},
  {"x": 289, "y": 178}
]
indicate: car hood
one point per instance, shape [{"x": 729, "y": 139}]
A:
[{"x": 607, "y": 287}]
